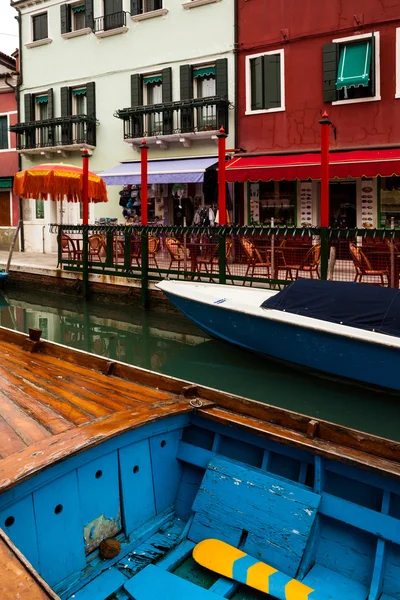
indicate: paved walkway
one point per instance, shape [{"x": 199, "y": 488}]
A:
[{"x": 29, "y": 259}]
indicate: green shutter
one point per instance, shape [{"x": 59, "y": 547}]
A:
[
  {"x": 168, "y": 115},
  {"x": 29, "y": 108},
  {"x": 257, "y": 95},
  {"x": 136, "y": 7},
  {"x": 186, "y": 82},
  {"x": 66, "y": 101},
  {"x": 50, "y": 104},
  {"x": 65, "y": 18},
  {"x": 89, "y": 20},
  {"x": 221, "y": 77},
  {"x": 136, "y": 90},
  {"x": 91, "y": 111},
  {"x": 373, "y": 66},
  {"x": 354, "y": 66},
  {"x": 330, "y": 68},
  {"x": 3, "y": 136},
  {"x": 272, "y": 80},
  {"x": 5, "y": 182}
]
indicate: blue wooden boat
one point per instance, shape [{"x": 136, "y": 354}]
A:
[
  {"x": 346, "y": 330},
  {"x": 111, "y": 475}
]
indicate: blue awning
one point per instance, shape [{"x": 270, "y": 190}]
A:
[{"x": 173, "y": 170}]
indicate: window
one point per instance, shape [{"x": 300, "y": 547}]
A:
[
  {"x": 352, "y": 69},
  {"x": 39, "y": 25},
  {"x": 277, "y": 201},
  {"x": 41, "y": 114},
  {"x": 205, "y": 87},
  {"x": 79, "y": 107},
  {"x": 390, "y": 201},
  {"x": 265, "y": 82},
  {"x": 73, "y": 17},
  {"x": 143, "y": 6},
  {"x": 3, "y": 133},
  {"x": 152, "y": 93},
  {"x": 39, "y": 209},
  {"x": 78, "y": 20}
]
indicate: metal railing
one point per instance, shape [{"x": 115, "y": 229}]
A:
[
  {"x": 112, "y": 21},
  {"x": 254, "y": 256},
  {"x": 183, "y": 116},
  {"x": 61, "y": 131}
]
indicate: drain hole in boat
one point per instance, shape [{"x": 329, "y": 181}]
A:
[
  {"x": 135, "y": 469},
  {"x": 163, "y": 444},
  {"x": 9, "y": 521},
  {"x": 58, "y": 509},
  {"x": 99, "y": 473}
]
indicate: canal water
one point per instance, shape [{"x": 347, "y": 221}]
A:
[{"x": 170, "y": 344}]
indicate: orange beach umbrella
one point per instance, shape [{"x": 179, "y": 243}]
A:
[{"x": 58, "y": 181}]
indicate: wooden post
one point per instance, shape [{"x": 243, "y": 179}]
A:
[
  {"x": 222, "y": 176},
  {"x": 144, "y": 180},
  {"x": 85, "y": 187}
]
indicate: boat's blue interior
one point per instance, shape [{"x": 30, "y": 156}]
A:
[{"x": 162, "y": 488}]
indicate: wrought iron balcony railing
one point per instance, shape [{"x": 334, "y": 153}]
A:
[
  {"x": 184, "y": 116},
  {"x": 60, "y": 132},
  {"x": 108, "y": 22}
]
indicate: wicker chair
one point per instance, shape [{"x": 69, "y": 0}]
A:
[
  {"x": 309, "y": 264},
  {"x": 176, "y": 252},
  {"x": 364, "y": 268},
  {"x": 254, "y": 259}
]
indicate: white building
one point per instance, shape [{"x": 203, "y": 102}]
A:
[{"x": 103, "y": 74}]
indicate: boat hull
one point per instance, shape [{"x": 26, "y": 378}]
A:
[{"x": 361, "y": 361}]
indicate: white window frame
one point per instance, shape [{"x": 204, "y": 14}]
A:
[
  {"x": 72, "y": 5},
  {"x": 262, "y": 111},
  {"x": 9, "y": 149},
  {"x": 43, "y": 41},
  {"x": 397, "y": 63},
  {"x": 365, "y": 36}
]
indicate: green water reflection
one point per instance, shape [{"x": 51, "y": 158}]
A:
[{"x": 170, "y": 344}]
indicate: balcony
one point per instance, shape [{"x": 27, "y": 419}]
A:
[
  {"x": 110, "y": 24},
  {"x": 184, "y": 121},
  {"x": 61, "y": 135}
]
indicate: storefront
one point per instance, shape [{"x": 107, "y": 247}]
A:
[
  {"x": 363, "y": 191},
  {"x": 180, "y": 191}
]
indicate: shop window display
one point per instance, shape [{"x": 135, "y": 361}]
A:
[
  {"x": 273, "y": 200},
  {"x": 390, "y": 201},
  {"x": 130, "y": 201}
]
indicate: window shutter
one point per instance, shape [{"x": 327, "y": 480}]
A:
[
  {"x": 136, "y": 7},
  {"x": 150, "y": 5},
  {"x": 221, "y": 76},
  {"x": 136, "y": 90},
  {"x": 168, "y": 115},
  {"x": 186, "y": 85},
  {"x": 44, "y": 27},
  {"x": 330, "y": 66},
  {"x": 3, "y": 133},
  {"x": 157, "y": 4},
  {"x": 272, "y": 80},
  {"x": 186, "y": 80},
  {"x": 257, "y": 97},
  {"x": 89, "y": 16},
  {"x": 50, "y": 104},
  {"x": 91, "y": 111},
  {"x": 66, "y": 101},
  {"x": 28, "y": 108},
  {"x": 65, "y": 18},
  {"x": 373, "y": 65}
]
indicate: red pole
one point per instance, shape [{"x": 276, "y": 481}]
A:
[
  {"x": 85, "y": 187},
  {"x": 325, "y": 124},
  {"x": 143, "y": 180},
  {"x": 222, "y": 176}
]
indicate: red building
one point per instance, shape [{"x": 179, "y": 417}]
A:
[
  {"x": 297, "y": 58},
  {"x": 9, "y": 204}
]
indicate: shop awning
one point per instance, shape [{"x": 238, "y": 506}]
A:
[
  {"x": 354, "y": 66},
  {"x": 355, "y": 163},
  {"x": 6, "y": 183},
  {"x": 178, "y": 170}
]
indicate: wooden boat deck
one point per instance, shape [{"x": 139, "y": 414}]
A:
[{"x": 56, "y": 402}]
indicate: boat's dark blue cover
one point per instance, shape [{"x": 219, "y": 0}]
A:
[{"x": 353, "y": 304}]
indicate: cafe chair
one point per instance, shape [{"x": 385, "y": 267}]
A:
[
  {"x": 364, "y": 268},
  {"x": 254, "y": 259},
  {"x": 176, "y": 252},
  {"x": 309, "y": 264}
]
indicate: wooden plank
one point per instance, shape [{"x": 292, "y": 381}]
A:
[
  {"x": 24, "y": 425},
  {"x": 52, "y": 450},
  {"x": 344, "y": 454},
  {"x": 10, "y": 442},
  {"x": 153, "y": 583},
  {"x": 18, "y": 578},
  {"x": 277, "y": 515},
  {"x": 41, "y": 413},
  {"x": 176, "y": 556},
  {"x": 109, "y": 582},
  {"x": 65, "y": 409}
]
